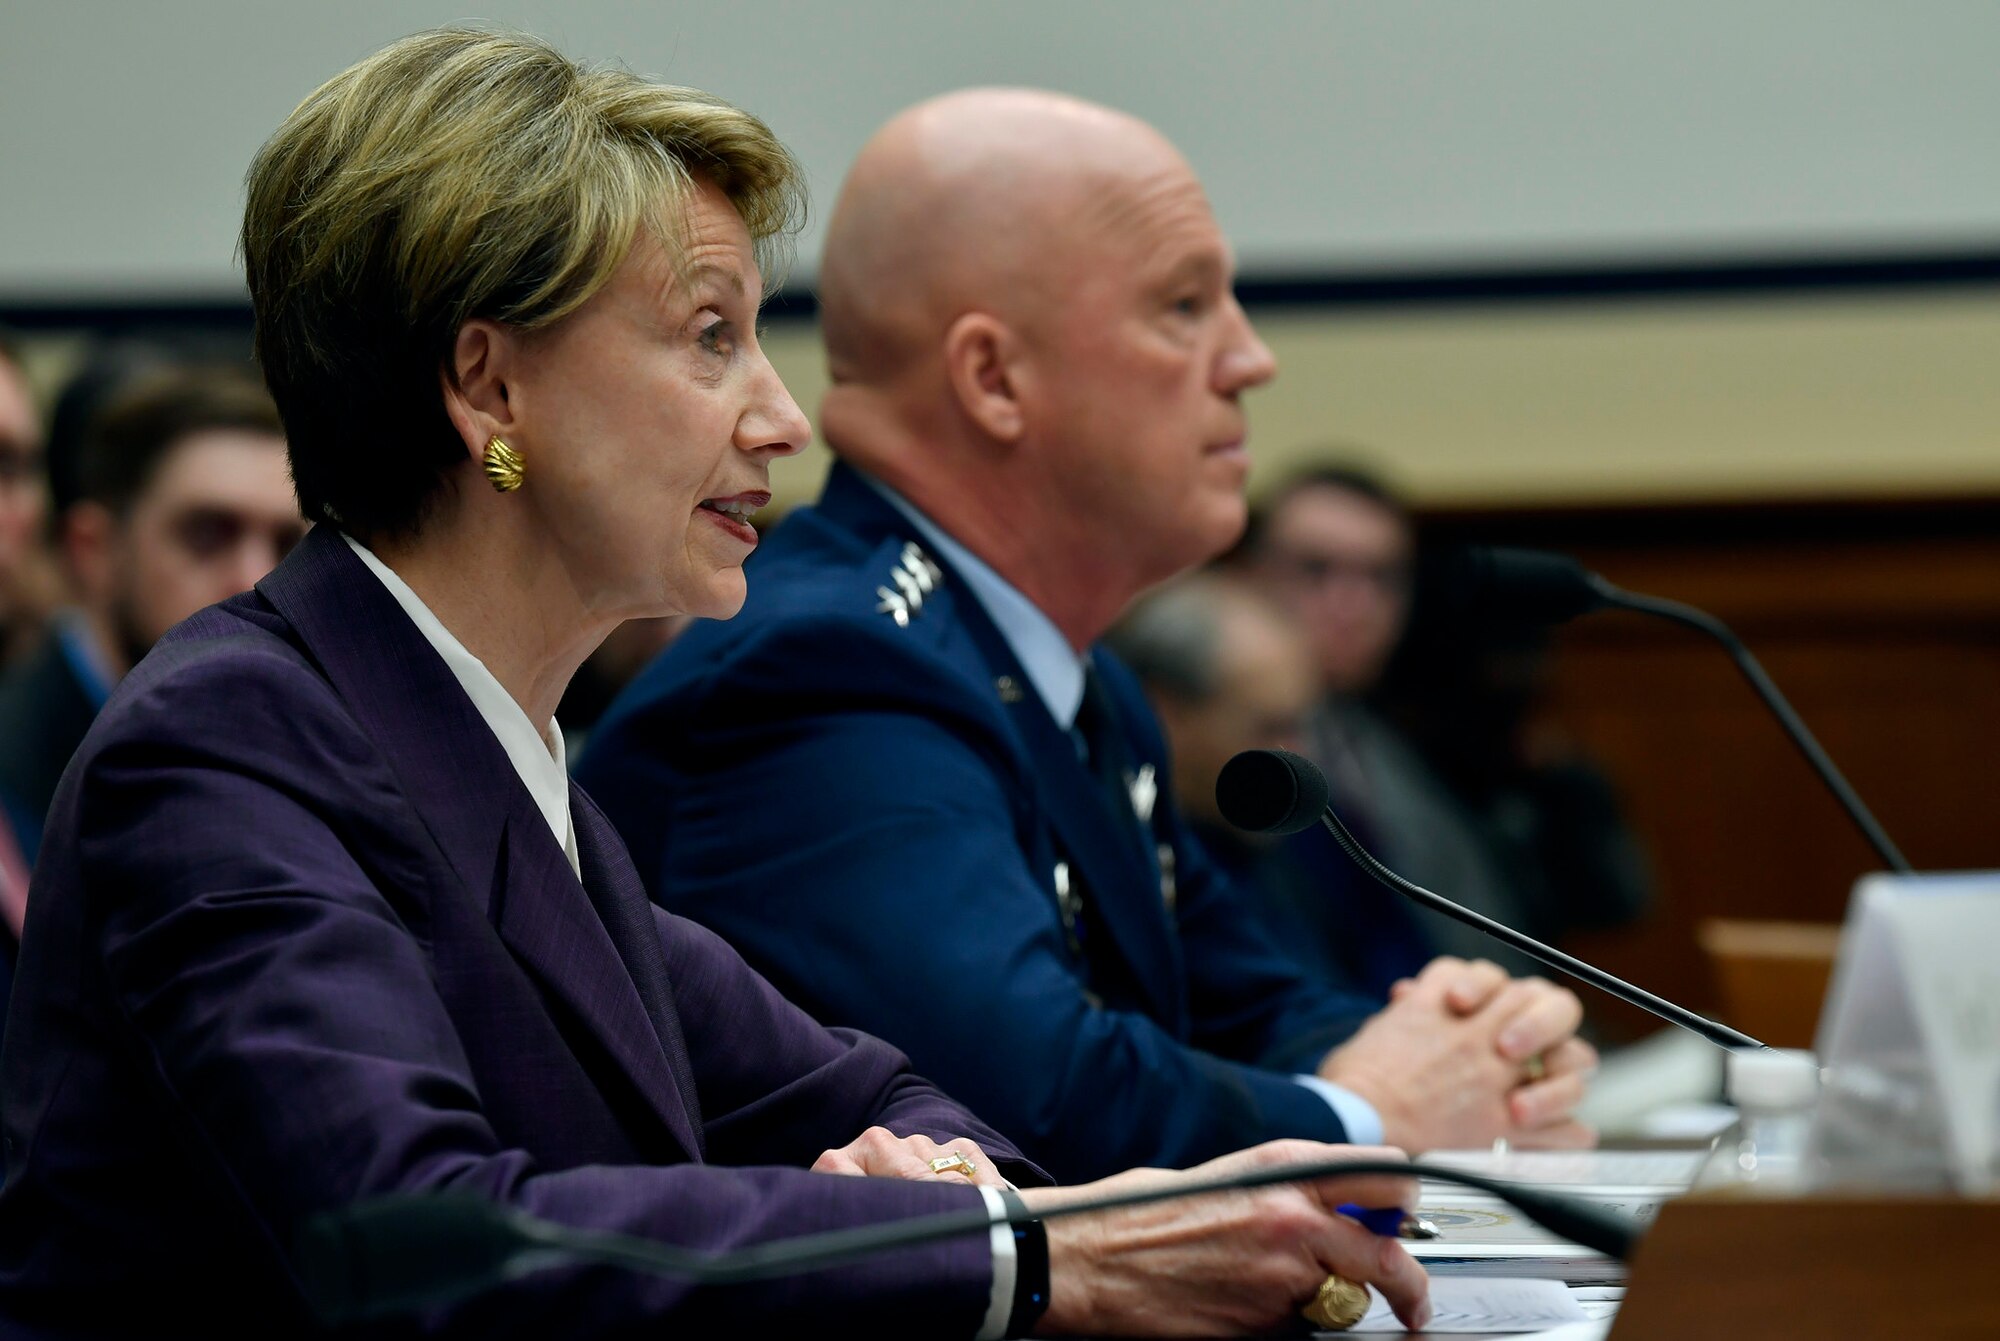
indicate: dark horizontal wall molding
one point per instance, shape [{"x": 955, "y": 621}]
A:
[
  {"x": 1711, "y": 280},
  {"x": 1694, "y": 523},
  {"x": 1720, "y": 279},
  {"x": 222, "y": 316}
]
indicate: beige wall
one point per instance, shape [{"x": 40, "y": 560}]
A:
[
  {"x": 1523, "y": 403},
  {"x": 1624, "y": 401}
]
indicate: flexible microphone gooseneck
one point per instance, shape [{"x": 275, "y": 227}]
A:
[
  {"x": 406, "y": 1251},
  {"x": 1527, "y": 586},
  {"x": 1277, "y": 792}
]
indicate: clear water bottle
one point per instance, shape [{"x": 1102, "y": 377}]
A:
[{"x": 1774, "y": 1091}]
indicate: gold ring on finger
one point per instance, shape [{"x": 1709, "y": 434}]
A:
[
  {"x": 1338, "y": 1305},
  {"x": 955, "y": 1163},
  {"x": 1534, "y": 1068}
]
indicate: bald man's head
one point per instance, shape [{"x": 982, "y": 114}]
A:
[
  {"x": 978, "y": 199},
  {"x": 1030, "y": 323}
]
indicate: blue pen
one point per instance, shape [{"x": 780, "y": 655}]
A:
[{"x": 1387, "y": 1221}]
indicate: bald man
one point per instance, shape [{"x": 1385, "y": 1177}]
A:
[{"x": 906, "y": 783}]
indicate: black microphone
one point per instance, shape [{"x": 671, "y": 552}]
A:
[
  {"x": 1276, "y": 791},
  {"x": 1519, "y": 586},
  {"x": 1527, "y": 586},
  {"x": 405, "y": 1251}
]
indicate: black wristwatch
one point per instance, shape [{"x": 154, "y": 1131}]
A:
[{"x": 1031, "y": 1266}]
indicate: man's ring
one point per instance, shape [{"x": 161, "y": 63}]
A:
[
  {"x": 955, "y": 1163},
  {"x": 1338, "y": 1305},
  {"x": 1534, "y": 1068}
]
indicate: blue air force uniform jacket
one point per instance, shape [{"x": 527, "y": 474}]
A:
[{"x": 854, "y": 783}]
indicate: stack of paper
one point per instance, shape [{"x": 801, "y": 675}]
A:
[
  {"x": 1480, "y": 1235},
  {"x": 1668, "y": 1170},
  {"x": 1556, "y": 1262},
  {"x": 1464, "y": 1305}
]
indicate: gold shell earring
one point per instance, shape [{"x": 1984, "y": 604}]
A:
[{"x": 504, "y": 467}]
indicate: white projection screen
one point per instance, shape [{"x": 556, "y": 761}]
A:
[{"x": 1336, "y": 138}]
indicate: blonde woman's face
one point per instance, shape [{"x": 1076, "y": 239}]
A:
[{"x": 649, "y": 419}]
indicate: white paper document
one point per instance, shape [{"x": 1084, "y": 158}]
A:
[
  {"x": 1597, "y": 1329},
  {"x": 1463, "y": 1217},
  {"x": 1562, "y": 1263},
  {"x": 1471, "y": 1304},
  {"x": 1481, "y": 1236},
  {"x": 1674, "y": 1169}
]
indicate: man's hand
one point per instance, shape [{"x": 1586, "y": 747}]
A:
[
  {"x": 1445, "y": 1064},
  {"x": 880, "y": 1153},
  {"x": 1226, "y": 1264}
]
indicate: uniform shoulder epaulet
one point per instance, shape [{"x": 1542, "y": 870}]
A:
[{"x": 913, "y": 579}]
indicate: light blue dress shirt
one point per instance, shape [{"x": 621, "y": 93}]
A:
[
  {"x": 86, "y": 661},
  {"x": 1056, "y": 671}
]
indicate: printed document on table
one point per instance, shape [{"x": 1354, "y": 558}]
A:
[
  {"x": 1462, "y": 1216},
  {"x": 1671, "y": 1170},
  {"x": 1596, "y": 1329},
  {"x": 1469, "y": 1304},
  {"x": 1562, "y": 1262}
]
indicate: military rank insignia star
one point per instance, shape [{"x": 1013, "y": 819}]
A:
[
  {"x": 1145, "y": 790},
  {"x": 1069, "y": 906},
  {"x": 912, "y": 579}
]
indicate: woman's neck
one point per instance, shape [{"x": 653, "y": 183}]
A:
[{"x": 505, "y": 598}]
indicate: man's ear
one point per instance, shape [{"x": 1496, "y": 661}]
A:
[
  {"x": 478, "y": 397},
  {"x": 983, "y": 360}
]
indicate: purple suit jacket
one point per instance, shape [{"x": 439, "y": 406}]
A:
[{"x": 299, "y": 936}]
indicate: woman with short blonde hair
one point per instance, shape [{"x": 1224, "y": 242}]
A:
[
  {"x": 455, "y": 175},
  {"x": 319, "y": 915}
]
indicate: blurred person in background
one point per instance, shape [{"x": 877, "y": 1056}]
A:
[
  {"x": 1472, "y": 703},
  {"x": 110, "y": 367},
  {"x": 23, "y": 503},
  {"x": 1228, "y": 670},
  {"x": 183, "y": 500},
  {"x": 1435, "y": 773}
]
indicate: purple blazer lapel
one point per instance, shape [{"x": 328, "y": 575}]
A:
[
  {"x": 460, "y": 782},
  {"x": 550, "y": 924},
  {"x": 621, "y": 900}
]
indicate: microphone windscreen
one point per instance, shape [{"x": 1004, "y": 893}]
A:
[
  {"x": 1270, "y": 791},
  {"x": 1497, "y": 585}
]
